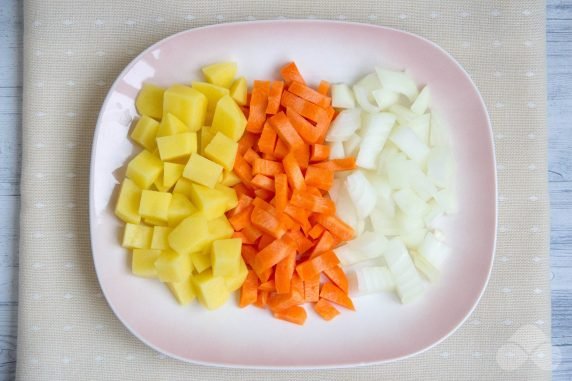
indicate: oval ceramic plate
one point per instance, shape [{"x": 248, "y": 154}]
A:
[{"x": 381, "y": 329}]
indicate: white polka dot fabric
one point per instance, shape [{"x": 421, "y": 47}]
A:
[{"x": 73, "y": 52}]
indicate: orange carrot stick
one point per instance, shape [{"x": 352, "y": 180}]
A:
[
  {"x": 283, "y": 274},
  {"x": 267, "y": 140},
  {"x": 320, "y": 178},
  {"x": 267, "y": 167},
  {"x": 309, "y": 94},
  {"x": 258, "y": 104},
  {"x": 274, "y": 96},
  {"x": 291, "y": 73},
  {"x": 319, "y": 152},
  {"x": 293, "y": 171},
  {"x": 312, "y": 289},
  {"x": 336, "y": 226},
  {"x": 294, "y": 314},
  {"x": 313, "y": 267},
  {"x": 325, "y": 309},
  {"x": 248, "y": 292},
  {"x": 338, "y": 277},
  {"x": 334, "y": 294}
]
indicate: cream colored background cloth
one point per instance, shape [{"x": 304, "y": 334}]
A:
[{"x": 73, "y": 52}]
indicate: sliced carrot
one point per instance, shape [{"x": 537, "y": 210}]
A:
[
  {"x": 248, "y": 254},
  {"x": 336, "y": 226},
  {"x": 251, "y": 234},
  {"x": 240, "y": 235},
  {"x": 307, "y": 109},
  {"x": 250, "y": 156},
  {"x": 267, "y": 167},
  {"x": 319, "y": 152},
  {"x": 305, "y": 129},
  {"x": 264, "y": 194},
  {"x": 312, "y": 202},
  {"x": 267, "y": 140},
  {"x": 325, "y": 309},
  {"x": 286, "y": 131},
  {"x": 323, "y": 122},
  {"x": 281, "y": 150},
  {"x": 267, "y": 286},
  {"x": 293, "y": 171},
  {"x": 309, "y": 94},
  {"x": 263, "y": 182},
  {"x": 302, "y": 155},
  {"x": 334, "y": 294},
  {"x": 243, "y": 189},
  {"x": 283, "y": 273},
  {"x": 312, "y": 289},
  {"x": 264, "y": 241},
  {"x": 313, "y": 267},
  {"x": 299, "y": 215},
  {"x": 258, "y": 104},
  {"x": 243, "y": 202},
  {"x": 316, "y": 231},
  {"x": 279, "y": 302},
  {"x": 281, "y": 191},
  {"x": 261, "y": 299},
  {"x": 272, "y": 254},
  {"x": 291, "y": 73},
  {"x": 287, "y": 222},
  {"x": 338, "y": 277},
  {"x": 294, "y": 314},
  {"x": 242, "y": 169},
  {"x": 240, "y": 220},
  {"x": 313, "y": 190},
  {"x": 324, "y": 87},
  {"x": 261, "y": 203},
  {"x": 246, "y": 141},
  {"x": 326, "y": 242},
  {"x": 303, "y": 243},
  {"x": 345, "y": 164},
  {"x": 274, "y": 95},
  {"x": 320, "y": 178},
  {"x": 248, "y": 291},
  {"x": 267, "y": 222}
]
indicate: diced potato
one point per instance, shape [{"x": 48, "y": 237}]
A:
[
  {"x": 213, "y": 94},
  {"x": 220, "y": 74},
  {"x": 154, "y": 221},
  {"x": 143, "y": 262},
  {"x": 160, "y": 238},
  {"x": 158, "y": 184},
  {"x": 220, "y": 228},
  {"x": 205, "y": 136},
  {"x": 183, "y": 186},
  {"x": 171, "y": 125},
  {"x": 173, "y": 267},
  {"x": 229, "y": 118},
  {"x": 211, "y": 202},
  {"x": 233, "y": 282},
  {"x": 229, "y": 178},
  {"x": 127, "y": 207},
  {"x": 183, "y": 291},
  {"x": 201, "y": 260},
  {"x": 144, "y": 168},
  {"x": 211, "y": 290},
  {"x": 137, "y": 236},
  {"x": 222, "y": 150},
  {"x": 155, "y": 205},
  {"x": 177, "y": 146},
  {"x": 239, "y": 90},
  {"x": 187, "y": 104},
  {"x": 226, "y": 257},
  {"x": 201, "y": 170},
  {"x": 230, "y": 194},
  {"x": 190, "y": 235},
  {"x": 150, "y": 101},
  {"x": 172, "y": 172},
  {"x": 145, "y": 132},
  {"x": 179, "y": 209}
]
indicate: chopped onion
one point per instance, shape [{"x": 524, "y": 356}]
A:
[
  {"x": 337, "y": 150},
  {"x": 421, "y": 102},
  {"x": 351, "y": 146},
  {"x": 342, "y": 96},
  {"x": 385, "y": 98},
  {"x": 376, "y": 129},
  {"x": 397, "y": 81},
  {"x": 406, "y": 140},
  {"x": 421, "y": 127},
  {"x": 367, "y": 246},
  {"x": 440, "y": 166},
  {"x": 407, "y": 280},
  {"x": 346, "y": 123},
  {"x": 362, "y": 95},
  {"x": 367, "y": 280},
  {"x": 361, "y": 193},
  {"x": 438, "y": 135}
]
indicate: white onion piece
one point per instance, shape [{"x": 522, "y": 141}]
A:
[
  {"x": 397, "y": 81},
  {"x": 361, "y": 193},
  {"x": 440, "y": 166},
  {"x": 370, "y": 82},
  {"x": 438, "y": 135},
  {"x": 367, "y": 246},
  {"x": 389, "y": 153},
  {"x": 425, "y": 268},
  {"x": 447, "y": 199},
  {"x": 409, "y": 202},
  {"x": 385, "y": 98},
  {"x": 399, "y": 172},
  {"x": 337, "y": 150},
  {"x": 406, "y": 140},
  {"x": 407, "y": 280},
  {"x": 434, "y": 251},
  {"x": 351, "y": 146},
  {"x": 376, "y": 129},
  {"x": 413, "y": 238},
  {"x": 421, "y": 102},
  {"x": 422, "y": 185},
  {"x": 362, "y": 95},
  {"x": 342, "y": 96},
  {"x": 403, "y": 114},
  {"x": 345, "y": 124},
  {"x": 345, "y": 208},
  {"x": 335, "y": 189},
  {"x": 421, "y": 127},
  {"x": 384, "y": 224},
  {"x": 367, "y": 280},
  {"x": 434, "y": 212}
]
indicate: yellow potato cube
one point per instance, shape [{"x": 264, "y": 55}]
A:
[
  {"x": 205, "y": 136},
  {"x": 201, "y": 170},
  {"x": 228, "y": 118},
  {"x": 183, "y": 291},
  {"x": 158, "y": 183},
  {"x": 179, "y": 209},
  {"x": 239, "y": 91},
  {"x": 187, "y": 104},
  {"x": 226, "y": 257},
  {"x": 171, "y": 125},
  {"x": 220, "y": 74},
  {"x": 177, "y": 146},
  {"x": 201, "y": 261},
  {"x": 160, "y": 237},
  {"x": 211, "y": 202},
  {"x": 235, "y": 281},
  {"x": 211, "y": 290},
  {"x": 173, "y": 267},
  {"x": 222, "y": 150},
  {"x": 150, "y": 101},
  {"x": 190, "y": 235},
  {"x": 137, "y": 236},
  {"x": 143, "y": 262},
  {"x": 220, "y": 228},
  {"x": 172, "y": 172},
  {"x": 155, "y": 205},
  {"x": 230, "y": 194},
  {"x": 127, "y": 207},
  {"x": 145, "y": 132},
  {"x": 154, "y": 221},
  {"x": 144, "y": 169},
  {"x": 183, "y": 186},
  {"x": 229, "y": 178},
  {"x": 213, "y": 94}
]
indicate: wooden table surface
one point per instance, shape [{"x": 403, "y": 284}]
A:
[{"x": 559, "y": 60}]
